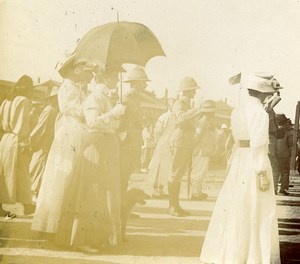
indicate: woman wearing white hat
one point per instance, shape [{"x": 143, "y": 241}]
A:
[
  {"x": 243, "y": 227},
  {"x": 64, "y": 151},
  {"x": 92, "y": 216}
]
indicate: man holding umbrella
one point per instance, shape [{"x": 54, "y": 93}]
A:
[{"x": 181, "y": 142}]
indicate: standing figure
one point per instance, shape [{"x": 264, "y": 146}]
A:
[
  {"x": 64, "y": 152},
  {"x": 181, "y": 142},
  {"x": 93, "y": 207},
  {"x": 275, "y": 133},
  {"x": 130, "y": 129},
  {"x": 14, "y": 148},
  {"x": 243, "y": 227},
  {"x": 160, "y": 164},
  {"x": 283, "y": 148},
  {"x": 147, "y": 147},
  {"x": 41, "y": 138},
  {"x": 204, "y": 150}
]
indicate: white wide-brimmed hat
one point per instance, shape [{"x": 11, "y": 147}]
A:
[{"x": 261, "y": 82}]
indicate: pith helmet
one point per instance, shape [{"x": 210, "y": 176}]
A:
[
  {"x": 208, "y": 106},
  {"x": 187, "y": 84},
  {"x": 137, "y": 74}
]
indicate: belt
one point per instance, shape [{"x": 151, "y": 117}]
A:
[{"x": 244, "y": 143}]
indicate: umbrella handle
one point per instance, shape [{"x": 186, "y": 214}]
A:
[{"x": 121, "y": 90}]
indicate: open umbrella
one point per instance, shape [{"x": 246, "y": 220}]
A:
[{"x": 117, "y": 43}]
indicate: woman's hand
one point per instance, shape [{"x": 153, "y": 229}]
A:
[{"x": 263, "y": 181}]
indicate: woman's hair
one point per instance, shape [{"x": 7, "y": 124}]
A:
[
  {"x": 23, "y": 87},
  {"x": 253, "y": 93}
]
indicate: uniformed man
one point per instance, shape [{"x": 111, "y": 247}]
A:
[
  {"x": 181, "y": 144},
  {"x": 130, "y": 130}
]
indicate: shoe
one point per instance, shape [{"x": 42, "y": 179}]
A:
[
  {"x": 199, "y": 196},
  {"x": 10, "y": 216},
  {"x": 178, "y": 212},
  {"x": 87, "y": 249},
  {"x": 132, "y": 215},
  {"x": 144, "y": 171},
  {"x": 283, "y": 192}
]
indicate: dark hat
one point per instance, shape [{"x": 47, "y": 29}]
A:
[
  {"x": 281, "y": 119},
  {"x": 25, "y": 80}
]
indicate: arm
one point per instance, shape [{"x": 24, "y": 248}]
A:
[
  {"x": 70, "y": 101},
  {"x": 182, "y": 115},
  {"x": 96, "y": 116},
  {"x": 259, "y": 142},
  {"x": 20, "y": 116}
]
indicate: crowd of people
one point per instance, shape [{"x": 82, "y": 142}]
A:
[{"x": 73, "y": 167}]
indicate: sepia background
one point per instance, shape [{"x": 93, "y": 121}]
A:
[{"x": 208, "y": 40}]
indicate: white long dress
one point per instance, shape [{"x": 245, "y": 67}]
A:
[
  {"x": 62, "y": 158},
  {"x": 243, "y": 227}
]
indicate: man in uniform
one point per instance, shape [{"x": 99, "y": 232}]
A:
[
  {"x": 130, "y": 130},
  {"x": 181, "y": 144}
]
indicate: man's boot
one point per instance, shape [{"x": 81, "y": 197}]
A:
[
  {"x": 174, "y": 208},
  {"x": 176, "y": 189}
]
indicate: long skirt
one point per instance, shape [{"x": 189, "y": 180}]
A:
[
  {"x": 92, "y": 215},
  {"x": 160, "y": 164},
  {"x": 62, "y": 159},
  {"x": 36, "y": 169},
  {"x": 243, "y": 227},
  {"x": 14, "y": 173}
]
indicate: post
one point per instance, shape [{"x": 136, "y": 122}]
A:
[
  {"x": 295, "y": 137},
  {"x": 121, "y": 92}
]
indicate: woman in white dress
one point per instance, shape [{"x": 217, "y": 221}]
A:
[
  {"x": 160, "y": 164},
  {"x": 92, "y": 214},
  {"x": 243, "y": 227},
  {"x": 64, "y": 151}
]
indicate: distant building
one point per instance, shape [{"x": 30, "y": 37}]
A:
[
  {"x": 5, "y": 87},
  {"x": 223, "y": 114},
  {"x": 43, "y": 90}
]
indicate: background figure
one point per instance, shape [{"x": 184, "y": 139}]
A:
[
  {"x": 148, "y": 146},
  {"x": 64, "y": 152},
  {"x": 181, "y": 142},
  {"x": 243, "y": 227},
  {"x": 41, "y": 138},
  {"x": 130, "y": 130},
  {"x": 222, "y": 137},
  {"x": 205, "y": 149},
  {"x": 92, "y": 213},
  {"x": 283, "y": 152},
  {"x": 160, "y": 164},
  {"x": 14, "y": 148}
]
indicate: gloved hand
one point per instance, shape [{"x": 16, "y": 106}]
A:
[
  {"x": 118, "y": 110},
  {"x": 263, "y": 181}
]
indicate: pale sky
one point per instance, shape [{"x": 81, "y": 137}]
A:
[{"x": 209, "y": 40}]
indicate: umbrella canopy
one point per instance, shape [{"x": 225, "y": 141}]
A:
[{"x": 117, "y": 43}]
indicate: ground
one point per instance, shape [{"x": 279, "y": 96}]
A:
[{"x": 155, "y": 237}]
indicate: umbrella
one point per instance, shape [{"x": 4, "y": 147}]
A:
[{"x": 117, "y": 43}]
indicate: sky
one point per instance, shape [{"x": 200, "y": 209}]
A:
[{"x": 207, "y": 40}]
